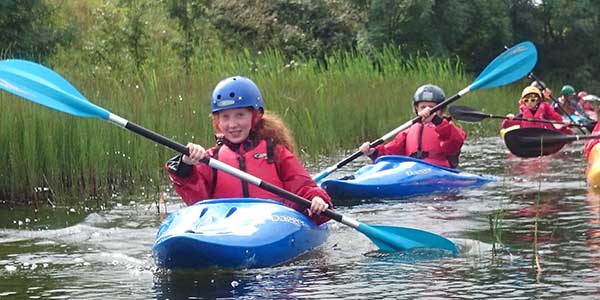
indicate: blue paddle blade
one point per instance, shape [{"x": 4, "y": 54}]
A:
[
  {"x": 392, "y": 239},
  {"x": 41, "y": 85},
  {"x": 512, "y": 65}
]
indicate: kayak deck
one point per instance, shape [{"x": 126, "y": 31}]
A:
[
  {"x": 235, "y": 233},
  {"x": 395, "y": 176}
]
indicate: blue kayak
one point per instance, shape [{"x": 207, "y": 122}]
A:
[
  {"x": 578, "y": 119},
  {"x": 395, "y": 176},
  {"x": 235, "y": 233}
]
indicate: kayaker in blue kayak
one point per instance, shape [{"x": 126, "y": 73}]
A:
[
  {"x": 531, "y": 106},
  {"x": 436, "y": 139},
  {"x": 252, "y": 140}
]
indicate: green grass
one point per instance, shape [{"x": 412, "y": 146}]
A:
[{"x": 327, "y": 109}]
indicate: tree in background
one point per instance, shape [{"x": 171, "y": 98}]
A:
[
  {"x": 473, "y": 30},
  {"x": 297, "y": 28},
  {"x": 191, "y": 17},
  {"x": 119, "y": 35},
  {"x": 28, "y": 30},
  {"x": 127, "y": 33}
]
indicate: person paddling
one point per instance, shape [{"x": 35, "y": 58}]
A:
[
  {"x": 531, "y": 106},
  {"x": 253, "y": 140},
  {"x": 436, "y": 139}
]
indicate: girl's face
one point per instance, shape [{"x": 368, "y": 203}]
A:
[
  {"x": 235, "y": 123},
  {"x": 531, "y": 100}
]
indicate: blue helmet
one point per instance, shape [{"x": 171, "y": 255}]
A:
[{"x": 236, "y": 92}]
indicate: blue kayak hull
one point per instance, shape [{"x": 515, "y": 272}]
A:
[
  {"x": 235, "y": 233},
  {"x": 396, "y": 176}
]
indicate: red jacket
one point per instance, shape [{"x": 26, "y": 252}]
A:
[
  {"x": 591, "y": 143},
  {"x": 543, "y": 112},
  {"x": 442, "y": 143},
  {"x": 286, "y": 172}
]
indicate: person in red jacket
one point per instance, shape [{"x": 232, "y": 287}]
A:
[
  {"x": 532, "y": 106},
  {"x": 436, "y": 139},
  {"x": 591, "y": 143},
  {"x": 256, "y": 142}
]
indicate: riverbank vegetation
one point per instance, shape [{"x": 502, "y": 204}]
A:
[{"x": 335, "y": 72}]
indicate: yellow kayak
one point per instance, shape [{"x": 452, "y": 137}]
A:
[
  {"x": 593, "y": 170},
  {"x": 503, "y": 131}
]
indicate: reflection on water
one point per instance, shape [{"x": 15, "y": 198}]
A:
[{"x": 533, "y": 234}]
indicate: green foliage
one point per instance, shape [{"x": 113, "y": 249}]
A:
[
  {"x": 28, "y": 29},
  {"x": 297, "y": 28},
  {"x": 89, "y": 157},
  {"x": 190, "y": 16},
  {"x": 119, "y": 34}
]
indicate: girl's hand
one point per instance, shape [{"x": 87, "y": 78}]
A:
[
  {"x": 510, "y": 116},
  {"x": 317, "y": 206},
  {"x": 366, "y": 149},
  {"x": 425, "y": 115},
  {"x": 197, "y": 154}
]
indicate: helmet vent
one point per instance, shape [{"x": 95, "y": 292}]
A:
[
  {"x": 231, "y": 95},
  {"x": 427, "y": 96}
]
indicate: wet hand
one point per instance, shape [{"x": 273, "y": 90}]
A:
[
  {"x": 317, "y": 206},
  {"x": 366, "y": 149},
  {"x": 197, "y": 154}
]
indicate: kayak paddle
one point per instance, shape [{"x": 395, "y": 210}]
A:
[
  {"x": 533, "y": 141},
  {"x": 41, "y": 85},
  {"x": 508, "y": 67},
  {"x": 469, "y": 114}
]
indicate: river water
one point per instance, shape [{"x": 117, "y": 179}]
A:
[{"x": 535, "y": 233}]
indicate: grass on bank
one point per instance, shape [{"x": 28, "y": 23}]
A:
[{"x": 328, "y": 110}]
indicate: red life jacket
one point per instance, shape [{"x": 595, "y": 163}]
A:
[
  {"x": 257, "y": 161},
  {"x": 422, "y": 141},
  {"x": 540, "y": 114}
]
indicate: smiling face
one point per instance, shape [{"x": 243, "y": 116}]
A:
[
  {"x": 531, "y": 100},
  {"x": 235, "y": 124}
]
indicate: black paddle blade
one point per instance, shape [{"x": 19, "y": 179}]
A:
[
  {"x": 534, "y": 142},
  {"x": 465, "y": 113}
]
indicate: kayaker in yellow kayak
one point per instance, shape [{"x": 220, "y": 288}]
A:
[
  {"x": 436, "y": 139},
  {"x": 531, "y": 106},
  {"x": 252, "y": 140}
]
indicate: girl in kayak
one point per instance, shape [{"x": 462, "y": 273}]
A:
[
  {"x": 531, "y": 106},
  {"x": 256, "y": 142},
  {"x": 436, "y": 139}
]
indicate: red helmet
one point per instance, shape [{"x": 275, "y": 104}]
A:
[{"x": 581, "y": 94}]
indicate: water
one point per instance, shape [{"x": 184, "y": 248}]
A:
[{"x": 533, "y": 234}]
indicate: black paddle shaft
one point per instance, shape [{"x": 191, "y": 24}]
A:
[
  {"x": 476, "y": 116},
  {"x": 210, "y": 161}
]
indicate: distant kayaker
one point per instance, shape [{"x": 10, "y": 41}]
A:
[
  {"x": 588, "y": 108},
  {"x": 531, "y": 107},
  {"x": 546, "y": 91},
  {"x": 436, "y": 139},
  {"x": 252, "y": 140}
]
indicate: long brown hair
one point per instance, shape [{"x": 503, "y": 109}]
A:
[{"x": 270, "y": 126}]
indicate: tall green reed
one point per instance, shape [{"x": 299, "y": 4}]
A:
[{"x": 329, "y": 104}]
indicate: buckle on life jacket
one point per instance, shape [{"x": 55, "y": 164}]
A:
[{"x": 419, "y": 154}]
